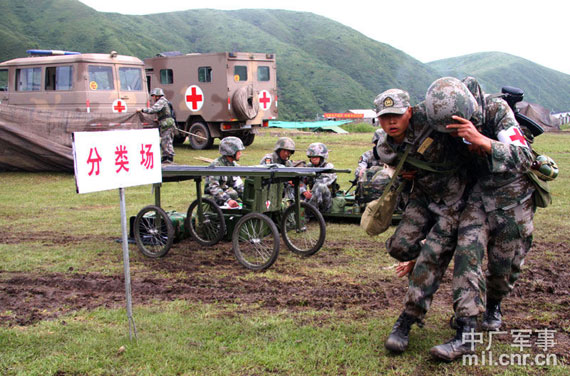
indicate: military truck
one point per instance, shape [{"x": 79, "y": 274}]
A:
[
  {"x": 215, "y": 95},
  {"x": 72, "y": 81}
]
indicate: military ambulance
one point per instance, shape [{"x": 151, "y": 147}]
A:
[
  {"x": 72, "y": 81},
  {"x": 216, "y": 95}
]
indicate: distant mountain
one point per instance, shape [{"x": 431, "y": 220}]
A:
[
  {"x": 494, "y": 70},
  {"x": 322, "y": 65}
]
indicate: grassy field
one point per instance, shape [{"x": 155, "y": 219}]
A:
[{"x": 198, "y": 312}]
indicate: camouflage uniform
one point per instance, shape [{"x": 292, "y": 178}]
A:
[
  {"x": 165, "y": 122},
  {"x": 225, "y": 188},
  {"x": 369, "y": 158},
  {"x": 322, "y": 184},
  {"x": 432, "y": 211},
  {"x": 499, "y": 212},
  {"x": 274, "y": 158}
]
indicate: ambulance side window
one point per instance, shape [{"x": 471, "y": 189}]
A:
[
  {"x": 101, "y": 77},
  {"x": 263, "y": 73},
  {"x": 241, "y": 71},
  {"x": 59, "y": 78},
  {"x": 29, "y": 79},
  {"x": 205, "y": 74},
  {"x": 3, "y": 79},
  {"x": 130, "y": 78},
  {"x": 166, "y": 76}
]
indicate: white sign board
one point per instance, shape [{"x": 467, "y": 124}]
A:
[{"x": 116, "y": 159}]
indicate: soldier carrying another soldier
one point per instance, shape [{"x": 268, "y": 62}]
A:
[{"x": 432, "y": 161}]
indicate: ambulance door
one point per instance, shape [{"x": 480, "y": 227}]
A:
[
  {"x": 133, "y": 93},
  {"x": 102, "y": 91}
]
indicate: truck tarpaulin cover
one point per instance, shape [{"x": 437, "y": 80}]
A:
[{"x": 40, "y": 140}]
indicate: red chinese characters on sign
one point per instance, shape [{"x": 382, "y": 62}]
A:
[
  {"x": 122, "y": 159},
  {"x": 147, "y": 156},
  {"x": 94, "y": 161}
]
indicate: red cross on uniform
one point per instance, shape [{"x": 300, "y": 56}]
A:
[
  {"x": 265, "y": 99},
  {"x": 194, "y": 98},
  {"x": 119, "y": 106},
  {"x": 518, "y": 137}
]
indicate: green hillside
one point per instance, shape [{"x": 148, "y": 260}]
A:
[
  {"x": 322, "y": 65},
  {"x": 494, "y": 70}
]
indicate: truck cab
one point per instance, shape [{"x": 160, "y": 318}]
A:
[
  {"x": 215, "y": 95},
  {"x": 72, "y": 81}
]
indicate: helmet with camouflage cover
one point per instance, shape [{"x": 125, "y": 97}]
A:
[
  {"x": 446, "y": 97},
  {"x": 378, "y": 134},
  {"x": 318, "y": 149},
  {"x": 229, "y": 146},
  {"x": 545, "y": 168},
  {"x": 285, "y": 143},
  {"x": 157, "y": 91}
]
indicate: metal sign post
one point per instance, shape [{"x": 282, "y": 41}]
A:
[
  {"x": 126, "y": 267},
  {"x": 118, "y": 159}
]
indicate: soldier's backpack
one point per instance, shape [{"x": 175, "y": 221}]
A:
[{"x": 172, "y": 113}]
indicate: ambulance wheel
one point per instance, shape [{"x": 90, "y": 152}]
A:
[
  {"x": 306, "y": 236},
  {"x": 200, "y": 137},
  {"x": 247, "y": 138},
  {"x": 153, "y": 231},
  {"x": 206, "y": 226},
  {"x": 255, "y": 241}
]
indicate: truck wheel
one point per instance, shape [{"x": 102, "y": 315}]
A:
[
  {"x": 244, "y": 103},
  {"x": 200, "y": 138},
  {"x": 247, "y": 138}
]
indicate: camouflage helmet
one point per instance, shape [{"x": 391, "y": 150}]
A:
[
  {"x": 285, "y": 143},
  {"x": 157, "y": 91},
  {"x": 229, "y": 146},
  {"x": 317, "y": 149},
  {"x": 446, "y": 97},
  {"x": 545, "y": 168},
  {"x": 378, "y": 134}
]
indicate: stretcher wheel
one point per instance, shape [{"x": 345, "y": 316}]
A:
[
  {"x": 306, "y": 235},
  {"x": 256, "y": 241},
  {"x": 205, "y": 222},
  {"x": 153, "y": 231}
]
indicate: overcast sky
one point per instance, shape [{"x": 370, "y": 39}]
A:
[{"x": 424, "y": 29}]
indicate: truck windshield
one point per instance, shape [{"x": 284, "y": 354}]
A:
[
  {"x": 101, "y": 77},
  {"x": 131, "y": 78}
]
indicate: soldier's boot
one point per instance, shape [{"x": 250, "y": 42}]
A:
[
  {"x": 457, "y": 346},
  {"x": 492, "y": 319},
  {"x": 399, "y": 337}
]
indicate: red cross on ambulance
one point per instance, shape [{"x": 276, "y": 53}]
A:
[
  {"x": 119, "y": 106},
  {"x": 512, "y": 135},
  {"x": 194, "y": 98},
  {"x": 264, "y": 100}
]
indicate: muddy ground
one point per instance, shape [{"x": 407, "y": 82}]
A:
[{"x": 540, "y": 300}]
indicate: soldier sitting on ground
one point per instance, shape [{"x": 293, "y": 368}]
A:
[
  {"x": 320, "y": 193},
  {"x": 283, "y": 150},
  {"x": 226, "y": 190}
]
